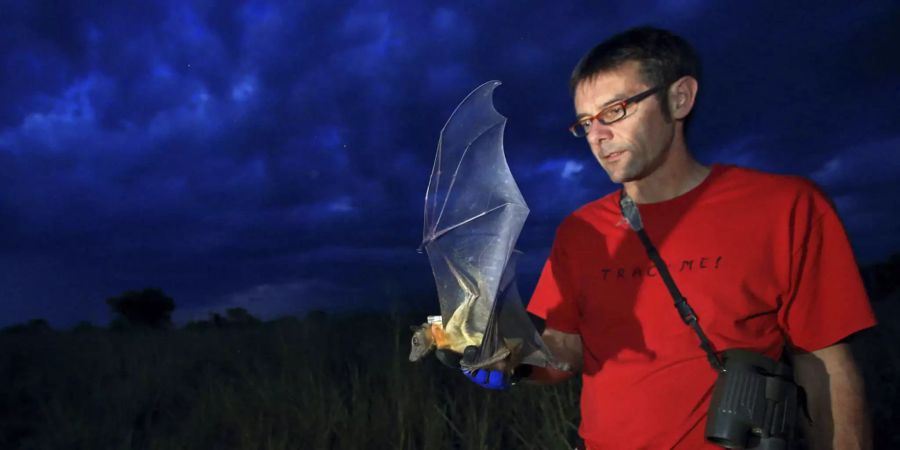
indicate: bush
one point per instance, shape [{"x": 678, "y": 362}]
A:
[{"x": 150, "y": 307}]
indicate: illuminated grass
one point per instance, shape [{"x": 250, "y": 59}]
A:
[
  {"x": 328, "y": 383},
  {"x": 333, "y": 383}
]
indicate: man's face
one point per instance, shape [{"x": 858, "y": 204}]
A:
[{"x": 633, "y": 147}]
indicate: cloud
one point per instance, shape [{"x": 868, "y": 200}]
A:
[
  {"x": 571, "y": 169},
  {"x": 863, "y": 183},
  {"x": 214, "y": 149},
  {"x": 745, "y": 151},
  {"x": 870, "y": 165}
]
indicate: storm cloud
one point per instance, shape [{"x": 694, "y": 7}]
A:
[{"x": 274, "y": 155}]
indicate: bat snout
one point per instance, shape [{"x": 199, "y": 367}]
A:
[{"x": 421, "y": 344}]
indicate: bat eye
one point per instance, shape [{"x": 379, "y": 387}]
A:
[{"x": 415, "y": 341}]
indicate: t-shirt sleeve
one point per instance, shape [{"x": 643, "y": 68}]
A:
[
  {"x": 553, "y": 299},
  {"x": 825, "y": 301}
]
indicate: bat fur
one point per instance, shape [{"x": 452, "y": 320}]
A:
[{"x": 455, "y": 337}]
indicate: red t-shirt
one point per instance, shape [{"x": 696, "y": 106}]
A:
[{"x": 761, "y": 258}]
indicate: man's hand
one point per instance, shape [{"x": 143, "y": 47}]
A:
[
  {"x": 836, "y": 398},
  {"x": 566, "y": 348}
]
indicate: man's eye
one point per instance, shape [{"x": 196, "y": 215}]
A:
[
  {"x": 586, "y": 123},
  {"x": 613, "y": 112}
]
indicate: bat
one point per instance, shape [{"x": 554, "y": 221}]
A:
[
  {"x": 474, "y": 213},
  {"x": 431, "y": 336}
]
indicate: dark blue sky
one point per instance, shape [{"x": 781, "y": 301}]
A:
[{"x": 275, "y": 155}]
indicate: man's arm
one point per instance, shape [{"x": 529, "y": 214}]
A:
[
  {"x": 836, "y": 398},
  {"x": 565, "y": 347}
]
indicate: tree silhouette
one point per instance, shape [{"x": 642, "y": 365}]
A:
[
  {"x": 32, "y": 326},
  {"x": 240, "y": 317},
  {"x": 149, "y": 307}
]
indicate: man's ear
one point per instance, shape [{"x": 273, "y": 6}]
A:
[{"x": 682, "y": 95}]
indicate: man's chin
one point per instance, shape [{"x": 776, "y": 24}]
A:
[
  {"x": 619, "y": 171},
  {"x": 618, "y": 176}
]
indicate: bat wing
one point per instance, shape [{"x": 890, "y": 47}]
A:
[{"x": 474, "y": 213}]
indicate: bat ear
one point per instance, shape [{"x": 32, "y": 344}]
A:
[{"x": 413, "y": 328}]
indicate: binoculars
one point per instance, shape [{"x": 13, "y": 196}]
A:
[{"x": 754, "y": 403}]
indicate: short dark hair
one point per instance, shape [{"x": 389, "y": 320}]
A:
[{"x": 664, "y": 57}]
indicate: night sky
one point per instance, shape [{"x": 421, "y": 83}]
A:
[{"x": 275, "y": 156}]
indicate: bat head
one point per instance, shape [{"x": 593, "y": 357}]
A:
[{"x": 422, "y": 342}]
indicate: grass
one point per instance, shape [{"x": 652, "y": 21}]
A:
[
  {"x": 326, "y": 382},
  {"x": 333, "y": 383}
]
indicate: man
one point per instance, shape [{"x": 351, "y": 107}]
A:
[{"x": 762, "y": 259}]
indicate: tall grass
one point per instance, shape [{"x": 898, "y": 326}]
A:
[
  {"x": 877, "y": 352},
  {"x": 319, "y": 383},
  {"x": 328, "y": 383}
]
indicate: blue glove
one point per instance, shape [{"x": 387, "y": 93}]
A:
[{"x": 488, "y": 379}]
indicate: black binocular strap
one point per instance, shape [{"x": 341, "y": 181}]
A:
[{"x": 633, "y": 217}]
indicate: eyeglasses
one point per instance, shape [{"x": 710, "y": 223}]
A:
[{"x": 612, "y": 113}]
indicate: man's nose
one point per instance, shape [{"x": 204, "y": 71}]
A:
[{"x": 598, "y": 132}]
